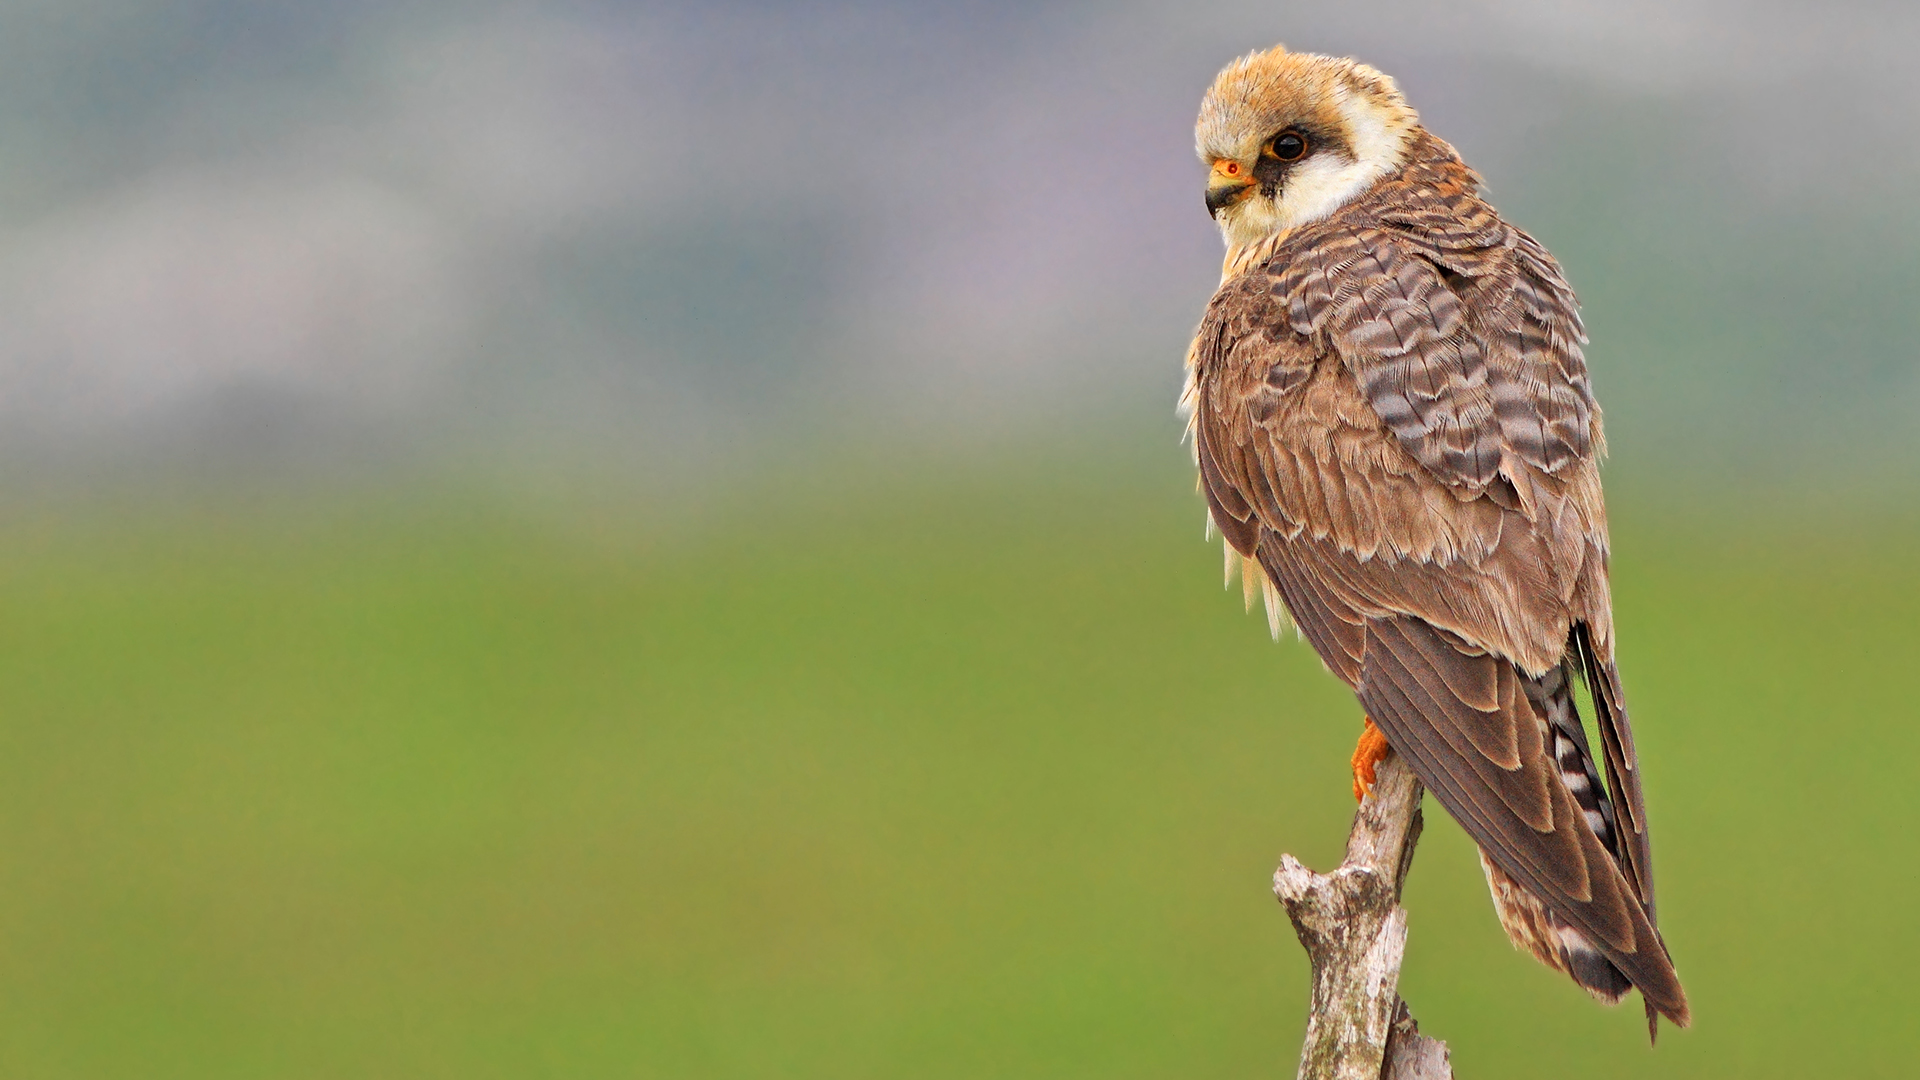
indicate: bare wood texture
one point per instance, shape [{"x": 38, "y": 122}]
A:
[{"x": 1355, "y": 933}]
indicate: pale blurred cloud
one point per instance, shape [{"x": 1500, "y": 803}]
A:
[
  {"x": 188, "y": 283},
  {"x": 531, "y": 122},
  {"x": 675, "y": 227}
]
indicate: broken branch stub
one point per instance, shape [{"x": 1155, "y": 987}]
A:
[{"x": 1355, "y": 933}]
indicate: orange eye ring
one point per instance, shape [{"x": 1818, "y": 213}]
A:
[
  {"x": 1231, "y": 168},
  {"x": 1289, "y": 146}
]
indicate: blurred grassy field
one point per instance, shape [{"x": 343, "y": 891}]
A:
[{"x": 975, "y": 776}]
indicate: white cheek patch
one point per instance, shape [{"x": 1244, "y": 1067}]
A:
[
  {"x": 1320, "y": 185},
  {"x": 1313, "y": 189}
]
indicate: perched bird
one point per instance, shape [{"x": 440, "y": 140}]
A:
[{"x": 1395, "y": 434}]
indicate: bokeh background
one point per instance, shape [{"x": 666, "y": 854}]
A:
[{"x": 593, "y": 539}]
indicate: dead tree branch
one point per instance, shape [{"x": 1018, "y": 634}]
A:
[{"x": 1355, "y": 933}]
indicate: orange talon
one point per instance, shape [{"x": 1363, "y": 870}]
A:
[{"x": 1371, "y": 751}]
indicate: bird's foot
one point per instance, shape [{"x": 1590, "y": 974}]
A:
[{"x": 1371, "y": 751}]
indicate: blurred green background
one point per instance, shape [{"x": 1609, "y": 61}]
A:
[
  {"x": 975, "y": 774},
  {"x": 648, "y": 539}
]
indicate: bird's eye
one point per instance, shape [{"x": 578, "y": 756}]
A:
[
  {"x": 1231, "y": 168},
  {"x": 1289, "y": 146}
]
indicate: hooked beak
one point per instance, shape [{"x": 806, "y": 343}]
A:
[{"x": 1227, "y": 184}]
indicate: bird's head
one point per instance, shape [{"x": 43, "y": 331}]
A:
[{"x": 1291, "y": 137}]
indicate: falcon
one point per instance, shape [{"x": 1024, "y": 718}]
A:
[{"x": 1395, "y": 435}]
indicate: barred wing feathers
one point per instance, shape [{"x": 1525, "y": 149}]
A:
[{"x": 1391, "y": 415}]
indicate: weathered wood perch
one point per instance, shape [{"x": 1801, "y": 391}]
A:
[{"x": 1355, "y": 932}]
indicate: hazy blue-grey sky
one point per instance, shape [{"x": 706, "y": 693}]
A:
[{"x": 660, "y": 234}]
